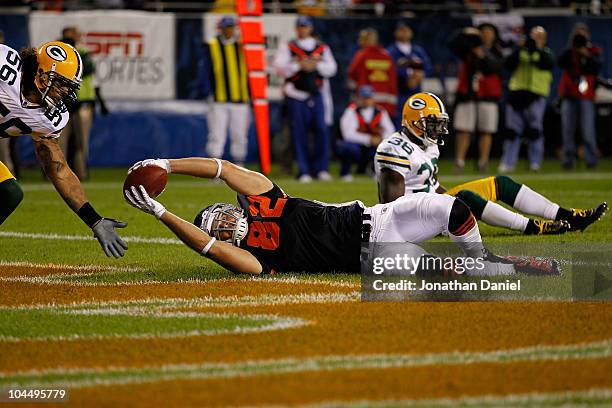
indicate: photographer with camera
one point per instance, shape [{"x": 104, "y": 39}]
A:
[
  {"x": 479, "y": 90},
  {"x": 580, "y": 63},
  {"x": 531, "y": 67}
]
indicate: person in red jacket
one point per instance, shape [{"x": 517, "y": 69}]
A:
[
  {"x": 580, "y": 63},
  {"x": 373, "y": 65},
  {"x": 479, "y": 90}
]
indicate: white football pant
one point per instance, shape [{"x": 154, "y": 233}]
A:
[{"x": 236, "y": 117}]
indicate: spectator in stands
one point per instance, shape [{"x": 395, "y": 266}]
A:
[
  {"x": 373, "y": 65},
  {"x": 75, "y": 136},
  {"x": 580, "y": 63},
  {"x": 531, "y": 67},
  {"x": 479, "y": 90},
  {"x": 412, "y": 63},
  {"x": 227, "y": 89},
  {"x": 306, "y": 63},
  {"x": 363, "y": 126}
]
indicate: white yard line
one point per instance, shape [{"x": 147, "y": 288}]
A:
[
  {"x": 60, "y": 237},
  {"x": 280, "y": 323},
  {"x": 450, "y": 178},
  {"x": 84, "y": 268},
  {"x": 61, "y": 278},
  {"x": 201, "y": 302},
  {"x": 87, "y": 377},
  {"x": 565, "y": 399}
]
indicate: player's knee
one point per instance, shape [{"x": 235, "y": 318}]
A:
[
  {"x": 507, "y": 189},
  {"x": 11, "y": 196},
  {"x": 460, "y": 218},
  {"x": 473, "y": 201}
]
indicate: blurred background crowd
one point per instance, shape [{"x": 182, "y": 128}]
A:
[{"x": 535, "y": 86}]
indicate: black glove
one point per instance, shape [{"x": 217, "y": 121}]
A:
[{"x": 111, "y": 243}]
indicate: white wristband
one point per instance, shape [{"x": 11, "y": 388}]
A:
[
  {"x": 219, "y": 167},
  {"x": 208, "y": 246}
]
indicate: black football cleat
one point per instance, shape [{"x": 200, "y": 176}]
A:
[
  {"x": 533, "y": 265},
  {"x": 581, "y": 219},
  {"x": 546, "y": 227}
]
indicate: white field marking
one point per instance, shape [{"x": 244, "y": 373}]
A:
[
  {"x": 84, "y": 268},
  {"x": 70, "y": 279},
  {"x": 110, "y": 185},
  {"x": 448, "y": 178},
  {"x": 87, "y": 377},
  {"x": 59, "y": 237},
  {"x": 206, "y": 301},
  {"x": 565, "y": 399},
  {"x": 276, "y": 323}
]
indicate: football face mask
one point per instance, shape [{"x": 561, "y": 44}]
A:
[
  {"x": 224, "y": 222},
  {"x": 58, "y": 76},
  {"x": 58, "y": 92},
  {"x": 434, "y": 128}
]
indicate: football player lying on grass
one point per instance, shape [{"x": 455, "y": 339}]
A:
[
  {"x": 272, "y": 232},
  {"x": 37, "y": 89},
  {"x": 407, "y": 163}
]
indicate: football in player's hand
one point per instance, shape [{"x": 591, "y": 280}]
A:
[{"x": 153, "y": 178}]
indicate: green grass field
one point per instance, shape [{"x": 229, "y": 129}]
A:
[
  {"x": 43, "y": 212},
  {"x": 163, "y": 326}
]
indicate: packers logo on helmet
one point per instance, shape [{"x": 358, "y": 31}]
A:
[
  {"x": 425, "y": 117},
  {"x": 58, "y": 75}
]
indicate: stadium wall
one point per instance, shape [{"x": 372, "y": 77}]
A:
[{"x": 137, "y": 130}]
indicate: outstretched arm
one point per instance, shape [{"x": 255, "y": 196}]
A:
[
  {"x": 239, "y": 179},
  {"x": 230, "y": 257},
  {"x": 65, "y": 181},
  {"x": 69, "y": 188}
]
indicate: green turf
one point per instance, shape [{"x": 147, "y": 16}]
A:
[
  {"x": 44, "y": 212},
  {"x": 59, "y": 322}
]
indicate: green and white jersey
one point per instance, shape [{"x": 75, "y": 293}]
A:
[
  {"x": 418, "y": 166},
  {"x": 17, "y": 115}
]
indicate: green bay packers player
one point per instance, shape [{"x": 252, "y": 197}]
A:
[
  {"x": 37, "y": 86},
  {"x": 406, "y": 163}
]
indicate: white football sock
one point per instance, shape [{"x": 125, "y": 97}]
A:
[
  {"x": 498, "y": 216},
  {"x": 470, "y": 242},
  {"x": 530, "y": 202}
]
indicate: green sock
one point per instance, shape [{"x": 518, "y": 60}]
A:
[
  {"x": 10, "y": 197},
  {"x": 507, "y": 189}
]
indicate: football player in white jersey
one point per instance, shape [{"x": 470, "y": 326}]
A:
[
  {"x": 407, "y": 163},
  {"x": 37, "y": 86}
]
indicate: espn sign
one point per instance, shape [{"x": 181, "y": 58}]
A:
[
  {"x": 133, "y": 51},
  {"x": 128, "y": 44}
]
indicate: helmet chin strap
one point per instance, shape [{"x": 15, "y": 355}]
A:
[{"x": 45, "y": 95}]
